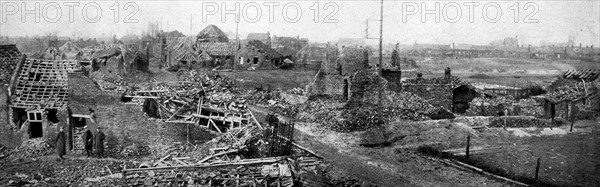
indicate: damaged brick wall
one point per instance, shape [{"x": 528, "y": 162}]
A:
[
  {"x": 330, "y": 78},
  {"x": 439, "y": 95}
]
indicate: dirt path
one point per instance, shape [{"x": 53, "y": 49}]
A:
[{"x": 381, "y": 166}]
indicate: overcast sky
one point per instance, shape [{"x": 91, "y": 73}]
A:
[{"x": 535, "y": 22}]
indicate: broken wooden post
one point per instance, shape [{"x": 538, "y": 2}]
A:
[
  {"x": 468, "y": 146},
  {"x": 537, "y": 169}
]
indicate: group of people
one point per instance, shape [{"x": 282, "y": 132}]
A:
[{"x": 90, "y": 140}]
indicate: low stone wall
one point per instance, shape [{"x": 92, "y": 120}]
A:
[{"x": 521, "y": 122}]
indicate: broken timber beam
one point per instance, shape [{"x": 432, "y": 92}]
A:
[
  {"x": 216, "y": 155},
  {"x": 141, "y": 97},
  {"x": 243, "y": 162},
  {"x": 257, "y": 123}
]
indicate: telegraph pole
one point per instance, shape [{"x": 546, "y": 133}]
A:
[
  {"x": 380, "y": 102},
  {"x": 235, "y": 59}
]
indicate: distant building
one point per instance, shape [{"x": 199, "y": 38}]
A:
[
  {"x": 350, "y": 42},
  {"x": 214, "y": 42},
  {"x": 211, "y": 34},
  {"x": 265, "y": 38},
  {"x": 258, "y": 55},
  {"x": 509, "y": 42}
]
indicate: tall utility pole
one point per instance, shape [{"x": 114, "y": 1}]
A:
[
  {"x": 380, "y": 107},
  {"x": 191, "y": 35},
  {"x": 235, "y": 59}
]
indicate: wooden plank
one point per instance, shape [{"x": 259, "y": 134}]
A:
[
  {"x": 141, "y": 97},
  {"x": 214, "y": 125},
  {"x": 81, "y": 116}
]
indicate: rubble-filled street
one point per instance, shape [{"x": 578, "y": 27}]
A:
[{"x": 345, "y": 94}]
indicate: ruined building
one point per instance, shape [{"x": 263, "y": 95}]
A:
[
  {"x": 448, "y": 91},
  {"x": 348, "y": 75}
]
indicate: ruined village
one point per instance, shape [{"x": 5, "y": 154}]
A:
[{"x": 265, "y": 109}]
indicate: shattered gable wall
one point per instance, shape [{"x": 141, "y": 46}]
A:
[{"x": 336, "y": 76}]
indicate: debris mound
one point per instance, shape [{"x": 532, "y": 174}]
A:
[{"x": 32, "y": 148}]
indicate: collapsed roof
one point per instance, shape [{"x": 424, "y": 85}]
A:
[{"x": 43, "y": 83}]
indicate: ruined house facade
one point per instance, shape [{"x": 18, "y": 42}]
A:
[
  {"x": 43, "y": 95},
  {"x": 38, "y": 97},
  {"x": 347, "y": 75},
  {"x": 214, "y": 42},
  {"x": 262, "y": 37},
  {"x": 256, "y": 54}
]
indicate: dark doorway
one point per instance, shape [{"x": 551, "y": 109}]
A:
[
  {"x": 19, "y": 117},
  {"x": 35, "y": 130},
  {"x": 255, "y": 60},
  {"x": 461, "y": 97},
  {"x": 52, "y": 115},
  {"x": 78, "y": 122}
]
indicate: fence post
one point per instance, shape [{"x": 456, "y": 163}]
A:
[
  {"x": 468, "y": 146},
  {"x": 537, "y": 169}
]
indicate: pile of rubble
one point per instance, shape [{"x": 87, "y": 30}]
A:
[
  {"x": 529, "y": 107},
  {"x": 338, "y": 115},
  {"x": 489, "y": 106},
  {"x": 32, "y": 148},
  {"x": 566, "y": 89}
]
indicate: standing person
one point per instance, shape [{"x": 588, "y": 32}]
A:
[
  {"x": 574, "y": 113},
  {"x": 60, "y": 143},
  {"x": 99, "y": 141},
  {"x": 88, "y": 141}
]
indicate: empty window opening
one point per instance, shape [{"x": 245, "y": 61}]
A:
[
  {"x": 52, "y": 116},
  {"x": 255, "y": 60}
]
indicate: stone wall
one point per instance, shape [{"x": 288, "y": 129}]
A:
[{"x": 439, "y": 95}]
